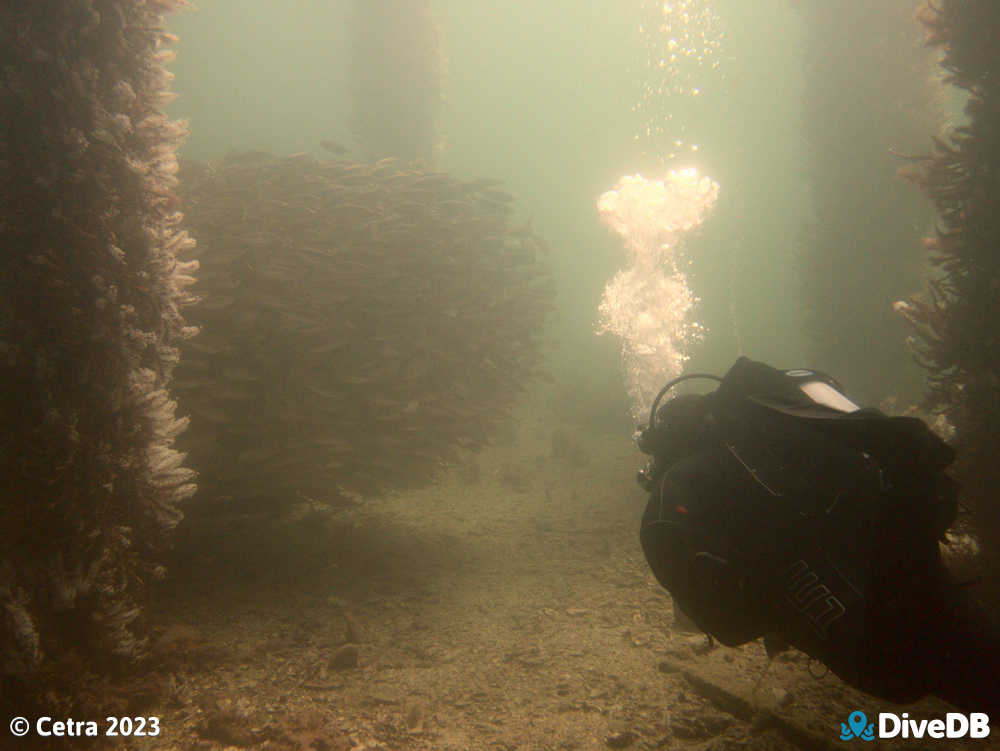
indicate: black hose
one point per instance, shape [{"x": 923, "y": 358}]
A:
[{"x": 670, "y": 385}]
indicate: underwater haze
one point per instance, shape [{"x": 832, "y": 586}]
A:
[
  {"x": 442, "y": 256},
  {"x": 554, "y": 99}
]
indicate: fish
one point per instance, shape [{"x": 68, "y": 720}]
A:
[
  {"x": 349, "y": 307},
  {"x": 333, "y": 147},
  {"x": 498, "y": 195}
]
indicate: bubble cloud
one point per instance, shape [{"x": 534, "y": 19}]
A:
[{"x": 648, "y": 305}]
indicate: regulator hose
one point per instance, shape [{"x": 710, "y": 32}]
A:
[{"x": 670, "y": 385}]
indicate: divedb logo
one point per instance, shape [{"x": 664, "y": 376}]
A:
[{"x": 890, "y": 725}]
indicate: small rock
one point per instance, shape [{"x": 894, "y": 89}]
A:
[
  {"x": 576, "y": 612},
  {"x": 791, "y": 655},
  {"x": 782, "y": 697},
  {"x": 700, "y": 645},
  {"x": 228, "y": 729},
  {"x": 689, "y": 729},
  {"x": 621, "y": 740},
  {"x": 352, "y": 633},
  {"x": 415, "y": 718},
  {"x": 678, "y": 653},
  {"x": 345, "y": 658}
]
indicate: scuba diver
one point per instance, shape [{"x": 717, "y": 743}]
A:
[{"x": 779, "y": 509}]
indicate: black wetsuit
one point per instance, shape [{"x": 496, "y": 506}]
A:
[{"x": 771, "y": 514}]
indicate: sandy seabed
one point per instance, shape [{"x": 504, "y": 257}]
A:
[{"x": 506, "y": 607}]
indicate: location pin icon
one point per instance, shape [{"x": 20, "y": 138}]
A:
[{"x": 857, "y": 721}]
